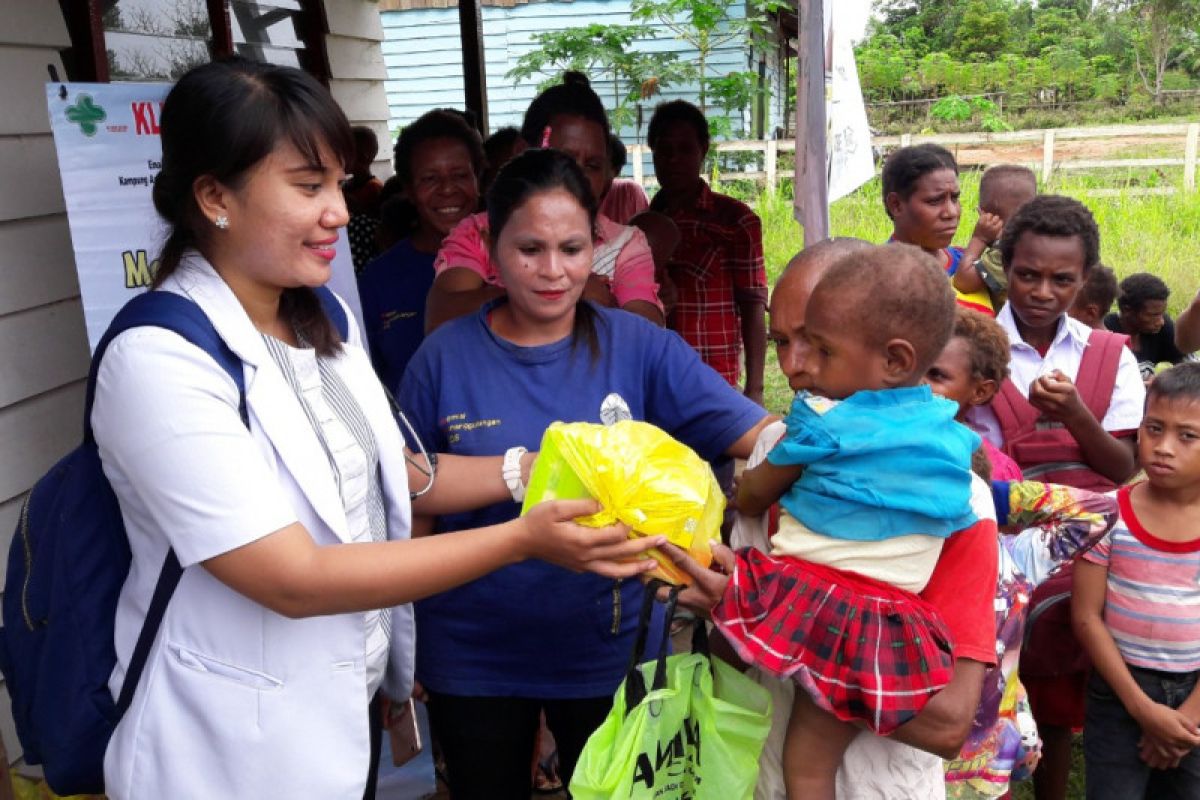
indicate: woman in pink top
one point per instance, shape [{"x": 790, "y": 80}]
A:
[
  {"x": 568, "y": 117},
  {"x": 623, "y": 198}
]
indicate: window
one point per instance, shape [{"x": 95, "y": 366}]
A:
[
  {"x": 152, "y": 40},
  {"x": 159, "y": 40}
]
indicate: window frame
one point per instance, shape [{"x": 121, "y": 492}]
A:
[{"x": 86, "y": 60}]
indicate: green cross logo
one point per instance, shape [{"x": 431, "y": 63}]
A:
[{"x": 86, "y": 114}]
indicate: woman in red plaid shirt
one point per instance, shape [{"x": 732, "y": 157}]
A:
[{"x": 717, "y": 268}]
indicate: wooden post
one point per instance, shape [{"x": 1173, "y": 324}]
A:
[
  {"x": 639, "y": 167},
  {"x": 470, "y": 25},
  {"x": 1189, "y": 156},
  {"x": 812, "y": 180},
  {"x": 770, "y": 158},
  {"x": 1047, "y": 156}
]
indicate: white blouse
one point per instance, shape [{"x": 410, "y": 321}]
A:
[{"x": 349, "y": 444}]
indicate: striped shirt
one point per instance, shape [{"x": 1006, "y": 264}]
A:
[
  {"x": 349, "y": 444},
  {"x": 1152, "y": 608}
]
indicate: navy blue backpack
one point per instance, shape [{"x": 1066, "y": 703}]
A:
[{"x": 68, "y": 561}]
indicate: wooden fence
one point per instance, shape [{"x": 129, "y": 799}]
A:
[
  {"x": 920, "y": 107},
  {"x": 1052, "y": 161}
]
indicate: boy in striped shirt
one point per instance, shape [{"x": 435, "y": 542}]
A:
[{"x": 1136, "y": 610}]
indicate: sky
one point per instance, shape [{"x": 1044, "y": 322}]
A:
[{"x": 856, "y": 12}]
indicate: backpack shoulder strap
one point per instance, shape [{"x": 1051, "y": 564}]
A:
[
  {"x": 1013, "y": 411},
  {"x": 1098, "y": 370},
  {"x": 183, "y": 316},
  {"x": 175, "y": 313},
  {"x": 335, "y": 310}
]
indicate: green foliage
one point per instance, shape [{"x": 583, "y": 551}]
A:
[
  {"x": 994, "y": 123},
  {"x": 623, "y": 73},
  {"x": 1048, "y": 54},
  {"x": 607, "y": 54},
  {"x": 707, "y": 25},
  {"x": 951, "y": 109},
  {"x": 983, "y": 29},
  {"x": 1165, "y": 34}
]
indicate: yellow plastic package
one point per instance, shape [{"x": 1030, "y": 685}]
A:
[
  {"x": 641, "y": 476},
  {"x": 25, "y": 788}
]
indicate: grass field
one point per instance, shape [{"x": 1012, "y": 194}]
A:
[{"x": 1155, "y": 233}]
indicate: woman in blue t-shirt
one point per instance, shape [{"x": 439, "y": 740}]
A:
[
  {"x": 438, "y": 161},
  {"x": 533, "y": 637}
]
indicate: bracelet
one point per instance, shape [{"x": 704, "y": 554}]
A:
[{"x": 511, "y": 472}]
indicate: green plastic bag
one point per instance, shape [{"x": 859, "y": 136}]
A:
[{"x": 695, "y": 735}]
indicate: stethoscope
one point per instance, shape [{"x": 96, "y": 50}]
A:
[{"x": 429, "y": 468}]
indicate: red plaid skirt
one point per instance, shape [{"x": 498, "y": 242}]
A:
[{"x": 863, "y": 650}]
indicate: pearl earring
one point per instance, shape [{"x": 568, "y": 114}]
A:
[{"x": 222, "y": 222}]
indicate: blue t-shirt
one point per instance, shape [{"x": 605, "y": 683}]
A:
[
  {"x": 878, "y": 464},
  {"x": 533, "y": 629},
  {"x": 392, "y": 289}
]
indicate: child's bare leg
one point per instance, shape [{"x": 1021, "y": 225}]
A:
[
  {"x": 720, "y": 647},
  {"x": 813, "y": 750}
]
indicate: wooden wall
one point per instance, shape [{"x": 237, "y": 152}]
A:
[
  {"x": 358, "y": 71},
  {"x": 43, "y": 346},
  {"x": 424, "y": 63}
]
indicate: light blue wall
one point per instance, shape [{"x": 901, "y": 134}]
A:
[{"x": 422, "y": 51}]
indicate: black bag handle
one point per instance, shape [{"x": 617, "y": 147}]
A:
[
  {"x": 639, "y": 643},
  {"x": 635, "y": 683},
  {"x": 700, "y": 638}
]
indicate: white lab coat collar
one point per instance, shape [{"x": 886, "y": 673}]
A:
[
  {"x": 1068, "y": 327},
  {"x": 270, "y": 401}
]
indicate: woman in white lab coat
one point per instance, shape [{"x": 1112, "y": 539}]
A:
[{"x": 293, "y": 531}]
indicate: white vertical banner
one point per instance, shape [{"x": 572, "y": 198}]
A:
[
  {"x": 109, "y": 155},
  {"x": 851, "y": 163},
  {"x": 833, "y": 139}
]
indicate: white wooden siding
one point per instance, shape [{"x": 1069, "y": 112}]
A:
[
  {"x": 47, "y": 274},
  {"x": 37, "y": 432},
  {"x": 35, "y": 23},
  {"x": 358, "y": 71},
  {"x": 43, "y": 346},
  {"x": 40, "y": 349},
  {"x": 28, "y": 162}
]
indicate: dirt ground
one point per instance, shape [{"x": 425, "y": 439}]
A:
[{"x": 1071, "y": 150}]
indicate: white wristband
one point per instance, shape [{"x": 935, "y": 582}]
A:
[{"x": 511, "y": 472}]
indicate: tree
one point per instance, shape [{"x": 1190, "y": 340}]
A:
[
  {"x": 708, "y": 25},
  {"x": 885, "y": 67},
  {"x": 936, "y": 21},
  {"x": 983, "y": 29},
  {"x": 1069, "y": 68},
  {"x": 1167, "y": 35},
  {"x": 604, "y": 50}
]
